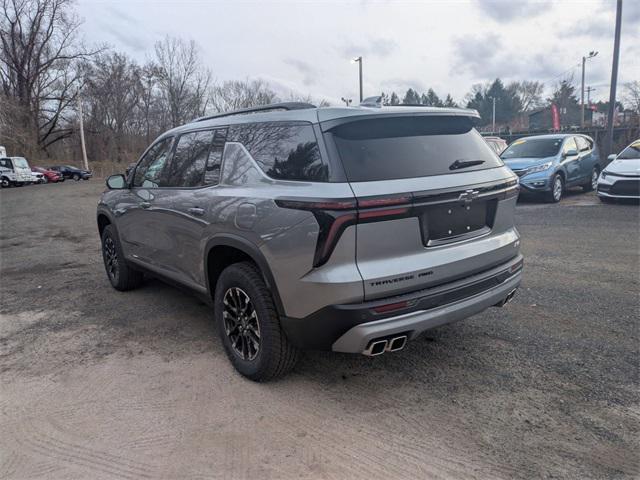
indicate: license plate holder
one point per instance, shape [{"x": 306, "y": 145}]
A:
[{"x": 455, "y": 221}]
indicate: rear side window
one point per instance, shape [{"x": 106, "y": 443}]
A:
[
  {"x": 214, "y": 160},
  {"x": 187, "y": 166},
  {"x": 283, "y": 150},
  {"x": 584, "y": 145},
  {"x": 407, "y": 147}
]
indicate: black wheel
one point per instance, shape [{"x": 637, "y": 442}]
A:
[
  {"x": 76, "y": 177},
  {"x": 121, "y": 275},
  {"x": 593, "y": 180},
  {"x": 5, "y": 182},
  {"x": 557, "y": 188},
  {"x": 249, "y": 326}
]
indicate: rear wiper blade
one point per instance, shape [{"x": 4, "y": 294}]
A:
[{"x": 464, "y": 164}]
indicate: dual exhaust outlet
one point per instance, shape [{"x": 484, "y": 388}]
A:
[{"x": 383, "y": 345}]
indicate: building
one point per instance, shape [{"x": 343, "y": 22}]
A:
[{"x": 542, "y": 118}]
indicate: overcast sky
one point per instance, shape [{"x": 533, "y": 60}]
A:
[{"x": 306, "y": 46}]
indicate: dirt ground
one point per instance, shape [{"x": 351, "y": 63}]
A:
[{"x": 99, "y": 384}]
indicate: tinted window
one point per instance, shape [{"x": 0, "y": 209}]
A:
[
  {"x": 283, "y": 150},
  {"x": 5, "y": 162},
  {"x": 214, "y": 159},
  {"x": 533, "y": 148},
  {"x": 186, "y": 168},
  {"x": 150, "y": 168},
  {"x": 382, "y": 149},
  {"x": 632, "y": 151}
]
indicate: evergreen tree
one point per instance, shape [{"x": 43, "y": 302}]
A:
[
  {"x": 394, "y": 100},
  {"x": 449, "y": 102},
  {"x": 411, "y": 97}
]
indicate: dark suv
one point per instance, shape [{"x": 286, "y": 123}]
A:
[{"x": 345, "y": 229}]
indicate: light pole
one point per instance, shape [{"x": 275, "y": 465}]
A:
[
  {"x": 584, "y": 60},
  {"x": 614, "y": 79},
  {"x": 359, "y": 61}
]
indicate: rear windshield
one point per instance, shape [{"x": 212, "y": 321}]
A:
[
  {"x": 533, "y": 148},
  {"x": 406, "y": 147}
]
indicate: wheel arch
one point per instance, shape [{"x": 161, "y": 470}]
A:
[{"x": 237, "y": 249}]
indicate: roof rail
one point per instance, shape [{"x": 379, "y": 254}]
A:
[{"x": 260, "y": 108}]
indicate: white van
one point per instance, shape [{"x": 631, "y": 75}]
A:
[{"x": 15, "y": 171}]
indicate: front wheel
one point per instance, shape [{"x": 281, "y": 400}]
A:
[
  {"x": 5, "y": 182},
  {"x": 76, "y": 177},
  {"x": 121, "y": 275},
  {"x": 557, "y": 188},
  {"x": 249, "y": 326},
  {"x": 593, "y": 181}
]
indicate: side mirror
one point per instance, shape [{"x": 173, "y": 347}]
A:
[
  {"x": 116, "y": 182},
  {"x": 570, "y": 153},
  {"x": 612, "y": 157}
]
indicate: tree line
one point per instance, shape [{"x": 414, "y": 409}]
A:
[{"x": 47, "y": 73}]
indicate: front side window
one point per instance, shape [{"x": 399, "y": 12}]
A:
[
  {"x": 569, "y": 144},
  {"x": 187, "y": 166},
  {"x": 283, "y": 150},
  {"x": 150, "y": 168},
  {"x": 533, "y": 148}
]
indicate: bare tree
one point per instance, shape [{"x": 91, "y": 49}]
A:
[
  {"x": 182, "y": 80},
  {"x": 632, "y": 96},
  {"x": 530, "y": 93},
  {"x": 39, "y": 59},
  {"x": 237, "y": 94}
]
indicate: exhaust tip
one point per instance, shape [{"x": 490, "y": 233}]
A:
[
  {"x": 397, "y": 343},
  {"x": 375, "y": 348}
]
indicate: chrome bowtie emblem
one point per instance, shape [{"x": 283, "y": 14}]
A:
[{"x": 468, "y": 196}]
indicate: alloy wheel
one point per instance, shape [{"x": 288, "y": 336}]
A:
[
  {"x": 557, "y": 188},
  {"x": 111, "y": 257},
  {"x": 241, "y": 323}
]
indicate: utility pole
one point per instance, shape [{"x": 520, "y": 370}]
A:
[
  {"x": 493, "y": 123},
  {"x": 84, "y": 148},
  {"x": 358, "y": 60},
  {"x": 584, "y": 60},
  {"x": 589, "y": 90},
  {"x": 614, "y": 79}
]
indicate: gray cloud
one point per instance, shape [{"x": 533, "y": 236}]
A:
[
  {"x": 487, "y": 57},
  {"x": 127, "y": 38},
  {"x": 380, "y": 47},
  {"x": 309, "y": 73},
  {"x": 401, "y": 85},
  {"x": 511, "y": 10}
]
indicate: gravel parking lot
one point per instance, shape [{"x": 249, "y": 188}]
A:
[{"x": 100, "y": 384}]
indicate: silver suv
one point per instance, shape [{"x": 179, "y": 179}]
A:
[{"x": 344, "y": 229}]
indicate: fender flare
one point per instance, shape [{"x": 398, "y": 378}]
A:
[{"x": 250, "y": 249}]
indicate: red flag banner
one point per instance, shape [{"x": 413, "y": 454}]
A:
[{"x": 555, "y": 116}]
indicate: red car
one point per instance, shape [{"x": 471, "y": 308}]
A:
[{"x": 50, "y": 175}]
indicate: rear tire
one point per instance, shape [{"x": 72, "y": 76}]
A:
[
  {"x": 557, "y": 188},
  {"x": 249, "y": 326},
  {"x": 593, "y": 181},
  {"x": 120, "y": 274}
]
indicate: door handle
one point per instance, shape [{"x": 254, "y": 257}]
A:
[
  {"x": 145, "y": 205},
  {"x": 196, "y": 211}
]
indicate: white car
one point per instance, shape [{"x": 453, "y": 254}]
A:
[
  {"x": 38, "y": 177},
  {"x": 621, "y": 178}
]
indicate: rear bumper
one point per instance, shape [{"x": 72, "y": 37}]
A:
[{"x": 350, "y": 328}]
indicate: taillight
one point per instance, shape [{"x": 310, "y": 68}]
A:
[{"x": 334, "y": 216}]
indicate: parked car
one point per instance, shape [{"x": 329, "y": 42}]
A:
[
  {"x": 621, "y": 178},
  {"x": 302, "y": 233},
  {"x": 15, "y": 171},
  {"x": 497, "y": 144},
  {"x": 37, "y": 177},
  {"x": 548, "y": 164},
  {"x": 74, "y": 173},
  {"x": 49, "y": 175}
]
